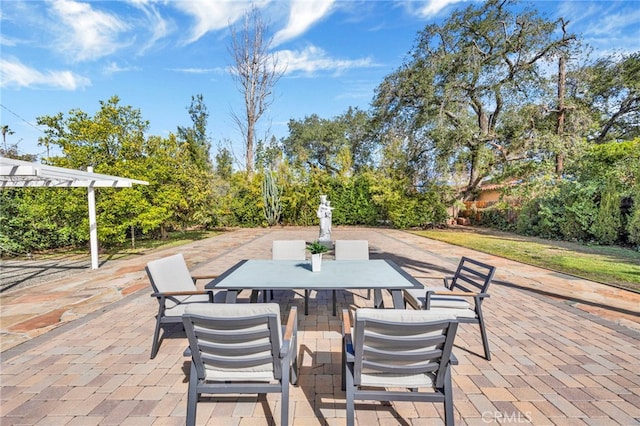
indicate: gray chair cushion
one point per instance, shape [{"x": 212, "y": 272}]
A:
[{"x": 419, "y": 296}]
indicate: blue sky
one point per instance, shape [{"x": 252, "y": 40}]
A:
[{"x": 59, "y": 55}]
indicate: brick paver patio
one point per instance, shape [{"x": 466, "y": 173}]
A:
[{"x": 75, "y": 351}]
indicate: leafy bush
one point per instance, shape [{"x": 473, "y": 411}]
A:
[
  {"x": 33, "y": 219},
  {"x": 633, "y": 225},
  {"x": 565, "y": 210},
  {"x": 608, "y": 221},
  {"x": 301, "y": 196},
  {"x": 352, "y": 201},
  {"x": 246, "y": 201},
  {"x": 495, "y": 216},
  {"x": 405, "y": 209},
  {"x": 539, "y": 216},
  {"x": 577, "y": 209}
]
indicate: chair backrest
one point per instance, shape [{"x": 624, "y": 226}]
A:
[
  {"x": 288, "y": 250},
  {"x": 170, "y": 274},
  {"x": 235, "y": 342},
  {"x": 352, "y": 250},
  {"x": 472, "y": 276},
  {"x": 402, "y": 342}
]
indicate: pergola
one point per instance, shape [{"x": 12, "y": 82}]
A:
[{"x": 23, "y": 174}]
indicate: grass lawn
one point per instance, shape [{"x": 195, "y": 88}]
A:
[{"x": 606, "y": 264}]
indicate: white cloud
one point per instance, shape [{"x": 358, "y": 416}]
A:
[
  {"x": 155, "y": 23},
  {"x": 15, "y": 74},
  {"x": 85, "y": 33},
  {"x": 617, "y": 23},
  {"x": 607, "y": 27},
  {"x": 313, "y": 59},
  {"x": 302, "y": 15},
  {"x": 199, "y": 70},
  {"x": 429, "y": 8},
  {"x": 211, "y": 15},
  {"x": 7, "y": 41},
  {"x": 113, "y": 68}
]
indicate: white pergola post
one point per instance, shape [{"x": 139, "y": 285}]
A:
[{"x": 93, "y": 224}]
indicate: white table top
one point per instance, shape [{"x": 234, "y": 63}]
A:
[{"x": 335, "y": 274}]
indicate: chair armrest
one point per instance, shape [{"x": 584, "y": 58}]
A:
[
  {"x": 169, "y": 294},
  {"x": 292, "y": 324},
  {"x": 182, "y": 293},
  {"x": 346, "y": 334},
  {"x": 203, "y": 277},
  {"x": 457, "y": 293},
  {"x": 346, "y": 322},
  {"x": 451, "y": 295},
  {"x": 289, "y": 348},
  {"x": 290, "y": 334}
]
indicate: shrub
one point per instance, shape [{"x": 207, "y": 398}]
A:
[
  {"x": 608, "y": 220},
  {"x": 496, "y": 216},
  {"x": 633, "y": 225}
]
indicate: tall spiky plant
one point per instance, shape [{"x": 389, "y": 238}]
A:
[{"x": 271, "y": 197}]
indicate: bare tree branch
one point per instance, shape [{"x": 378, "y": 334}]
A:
[{"x": 255, "y": 71}]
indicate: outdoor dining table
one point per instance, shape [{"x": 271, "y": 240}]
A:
[{"x": 375, "y": 274}]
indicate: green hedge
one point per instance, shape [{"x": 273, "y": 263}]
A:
[{"x": 364, "y": 199}]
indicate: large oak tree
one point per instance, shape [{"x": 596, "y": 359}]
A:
[{"x": 448, "y": 102}]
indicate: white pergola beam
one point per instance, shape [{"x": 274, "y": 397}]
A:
[
  {"x": 6, "y": 170},
  {"x": 51, "y": 183},
  {"x": 20, "y": 174}
]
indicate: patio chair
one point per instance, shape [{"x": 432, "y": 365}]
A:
[
  {"x": 174, "y": 288},
  {"x": 240, "y": 349},
  {"x": 406, "y": 350},
  {"x": 287, "y": 250},
  {"x": 352, "y": 250},
  {"x": 470, "y": 282}
]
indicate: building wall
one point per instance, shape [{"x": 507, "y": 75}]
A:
[{"x": 488, "y": 196}]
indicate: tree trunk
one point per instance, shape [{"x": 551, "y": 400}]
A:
[
  {"x": 255, "y": 70},
  {"x": 474, "y": 172},
  {"x": 133, "y": 237},
  {"x": 562, "y": 75},
  {"x": 249, "y": 142},
  {"x": 474, "y": 152}
]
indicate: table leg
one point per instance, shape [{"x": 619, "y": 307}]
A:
[
  {"x": 306, "y": 302},
  {"x": 378, "y": 303},
  {"x": 398, "y": 300},
  {"x": 232, "y": 296},
  {"x": 334, "y": 302}
]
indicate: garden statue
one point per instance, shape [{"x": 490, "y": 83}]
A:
[{"x": 324, "y": 214}]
